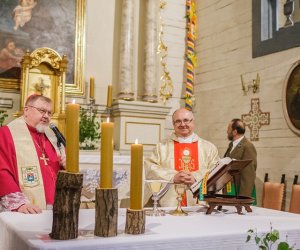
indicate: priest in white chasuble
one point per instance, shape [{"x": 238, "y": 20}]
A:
[
  {"x": 182, "y": 158},
  {"x": 29, "y": 159}
]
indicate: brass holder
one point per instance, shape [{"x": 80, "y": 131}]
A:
[
  {"x": 254, "y": 85},
  {"x": 66, "y": 206},
  {"x": 91, "y": 105},
  {"x": 106, "y": 212},
  {"x": 108, "y": 111},
  {"x": 180, "y": 189},
  {"x": 135, "y": 221},
  {"x": 107, "y": 114}
]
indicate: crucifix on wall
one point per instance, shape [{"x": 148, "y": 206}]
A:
[
  {"x": 41, "y": 86},
  {"x": 255, "y": 119}
]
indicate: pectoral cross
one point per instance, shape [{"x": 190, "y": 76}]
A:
[{"x": 44, "y": 158}]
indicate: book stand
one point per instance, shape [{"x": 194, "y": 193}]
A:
[{"x": 219, "y": 180}]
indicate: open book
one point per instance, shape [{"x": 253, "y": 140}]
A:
[{"x": 221, "y": 174}]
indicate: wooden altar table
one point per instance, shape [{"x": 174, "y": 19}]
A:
[{"x": 220, "y": 230}]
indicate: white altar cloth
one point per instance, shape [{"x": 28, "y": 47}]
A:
[{"x": 222, "y": 230}]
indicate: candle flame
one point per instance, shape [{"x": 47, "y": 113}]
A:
[
  {"x": 73, "y": 101},
  {"x": 107, "y": 119},
  {"x": 136, "y": 141}
]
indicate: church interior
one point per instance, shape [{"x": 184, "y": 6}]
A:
[{"x": 136, "y": 62}]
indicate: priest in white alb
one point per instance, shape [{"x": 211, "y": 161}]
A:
[{"x": 182, "y": 158}]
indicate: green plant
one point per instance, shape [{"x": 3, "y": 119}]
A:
[
  {"x": 89, "y": 129},
  {"x": 267, "y": 240},
  {"x": 3, "y": 115}
]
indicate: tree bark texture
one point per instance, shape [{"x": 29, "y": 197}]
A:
[
  {"x": 106, "y": 212},
  {"x": 135, "y": 221},
  {"x": 66, "y": 205}
]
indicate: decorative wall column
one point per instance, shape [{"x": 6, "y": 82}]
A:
[
  {"x": 126, "y": 51},
  {"x": 150, "y": 73}
]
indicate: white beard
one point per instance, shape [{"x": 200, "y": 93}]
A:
[{"x": 41, "y": 128}]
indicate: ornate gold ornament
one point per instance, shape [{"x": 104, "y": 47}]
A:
[
  {"x": 166, "y": 89},
  {"x": 43, "y": 72},
  {"x": 254, "y": 86}
]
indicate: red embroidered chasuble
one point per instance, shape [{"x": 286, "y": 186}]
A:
[
  {"x": 186, "y": 159},
  {"x": 50, "y": 167},
  {"x": 8, "y": 164}
]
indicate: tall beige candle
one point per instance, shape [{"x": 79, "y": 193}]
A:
[
  {"x": 106, "y": 168},
  {"x": 136, "y": 176},
  {"x": 92, "y": 87},
  {"x": 72, "y": 137},
  {"x": 109, "y": 96}
]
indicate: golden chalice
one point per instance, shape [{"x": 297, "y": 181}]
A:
[
  {"x": 180, "y": 190},
  {"x": 158, "y": 188}
]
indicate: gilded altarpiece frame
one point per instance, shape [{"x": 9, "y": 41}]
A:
[{"x": 56, "y": 24}]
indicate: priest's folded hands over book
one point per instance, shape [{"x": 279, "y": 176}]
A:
[{"x": 184, "y": 177}]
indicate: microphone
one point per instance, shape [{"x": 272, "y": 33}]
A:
[{"x": 59, "y": 136}]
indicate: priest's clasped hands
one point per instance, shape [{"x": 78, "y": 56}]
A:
[{"x": 184, "y": 177}]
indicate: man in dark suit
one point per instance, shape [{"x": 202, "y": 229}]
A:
[{"x": 241, "y": 149}]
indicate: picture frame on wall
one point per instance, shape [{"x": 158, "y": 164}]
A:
[
  {"x": 26, "y": 25},
  {"x": 291, "y": 98}
]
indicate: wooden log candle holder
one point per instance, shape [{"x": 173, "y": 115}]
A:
[
  {"x": 66, "y": 205},
  {"x": 106, "y": 212},
  {"x": 135, "y": 221}
]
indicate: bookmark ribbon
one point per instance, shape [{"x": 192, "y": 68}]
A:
[
  {"x": 203, "y": 187},
  {"x": 228, "y": 187}
]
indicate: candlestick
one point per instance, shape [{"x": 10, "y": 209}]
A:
[
  {"x": 136, "y": 174},
  {"x": 72, "y": 137},
  {"x": 92, "y": 87},
  {"x": 109, "y": 96},
  {"x": 106, "y": 169}
]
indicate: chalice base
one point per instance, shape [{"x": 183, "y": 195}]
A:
[
  {"x": 178, "y": 212},
  {"x": 155, "y": 212}
]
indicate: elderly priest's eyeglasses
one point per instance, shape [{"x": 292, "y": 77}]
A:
[
  {"x": 184, "y": 121},
  {"x": 42, "y": 111}
]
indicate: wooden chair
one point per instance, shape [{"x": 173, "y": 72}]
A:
[
  {"x": 273, "y": 194},
  {"x": 295, "y": 197}
]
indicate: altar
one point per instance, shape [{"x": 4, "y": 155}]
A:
[
  {"x": 220, "y": 230},
  {"x": 89, "y": 162}
]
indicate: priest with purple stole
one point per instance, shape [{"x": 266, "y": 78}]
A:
[
  {"x": 29, "y": 159},
  {"x": 182, "y": 158}
]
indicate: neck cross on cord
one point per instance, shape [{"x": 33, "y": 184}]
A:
[
  {"x": 41, "y": 147},
  {"x": 44, "y": 158}
]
